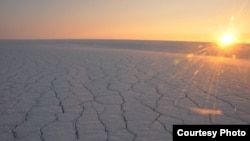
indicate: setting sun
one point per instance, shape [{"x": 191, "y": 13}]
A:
[{"x": 226, "y": 40}]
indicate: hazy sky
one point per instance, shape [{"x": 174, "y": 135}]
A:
[{"x": 124, "y": 19}]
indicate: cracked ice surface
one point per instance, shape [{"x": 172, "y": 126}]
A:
[{"x": 66, "y": 92}]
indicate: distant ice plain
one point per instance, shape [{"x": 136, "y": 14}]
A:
[{"x": 118, "y": 90}]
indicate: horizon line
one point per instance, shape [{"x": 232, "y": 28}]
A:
[
  {"x": 117, "y": 39},
  {"x": 108, "y": 39}
]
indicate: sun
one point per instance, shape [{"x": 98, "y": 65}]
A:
[{"x": 226, "y": 40}]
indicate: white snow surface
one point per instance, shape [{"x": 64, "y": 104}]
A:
[{"x": 116, "y": 91}]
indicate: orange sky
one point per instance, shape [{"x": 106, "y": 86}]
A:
[{"x": 196, "y": 20}]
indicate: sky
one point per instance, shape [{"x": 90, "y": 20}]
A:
[{"x": 191, "y": 20}]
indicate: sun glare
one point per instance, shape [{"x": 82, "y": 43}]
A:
[{"x": 226, "y": 40}]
